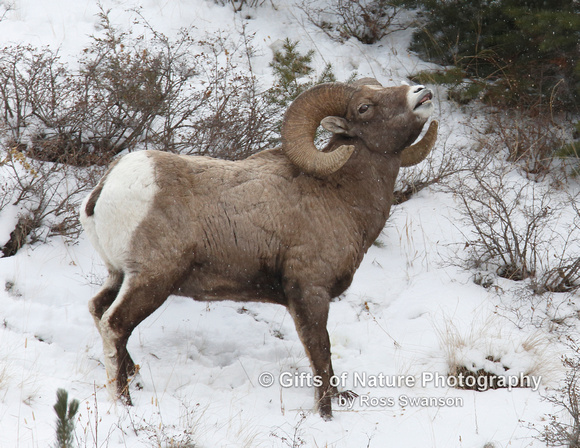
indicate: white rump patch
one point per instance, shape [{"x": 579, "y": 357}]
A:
[{"x": 125, "y": 200}]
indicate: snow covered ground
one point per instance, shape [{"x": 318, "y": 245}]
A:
[{"x": 411, "y": 307}]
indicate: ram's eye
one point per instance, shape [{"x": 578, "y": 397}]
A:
[{"x": 362, "y": 109}]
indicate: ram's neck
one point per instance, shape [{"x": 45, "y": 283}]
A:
[{"x": 366, "y": 184}]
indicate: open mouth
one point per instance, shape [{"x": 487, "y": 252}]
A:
[{"x": 427, "y": 96}]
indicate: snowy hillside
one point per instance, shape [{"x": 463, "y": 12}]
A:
[{"x": 413, "y": 311}]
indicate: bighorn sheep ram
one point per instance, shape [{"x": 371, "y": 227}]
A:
[{"x": 288, "y": 225}]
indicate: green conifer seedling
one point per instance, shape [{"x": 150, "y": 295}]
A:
[{"x": 65, "y": 424}]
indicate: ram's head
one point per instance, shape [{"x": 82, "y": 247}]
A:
[{"x": 383, "y": 119}]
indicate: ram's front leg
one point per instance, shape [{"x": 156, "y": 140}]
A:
[{"x": 309, "y": 308}]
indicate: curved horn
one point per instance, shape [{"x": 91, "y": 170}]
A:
[
  {"x": 416, "y": 153},
  {"x": 301, "y": 121},
  {"x": 366, "y": 82}
]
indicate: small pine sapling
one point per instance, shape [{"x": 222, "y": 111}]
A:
[
  {"x": 65, "y": 424},
  {"x": 290, "y": 67}
]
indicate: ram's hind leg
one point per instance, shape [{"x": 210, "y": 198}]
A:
[
  {"x": 106, "y": 296},
  {"x": 100, "y": 303},
  {"x": 139, "y": 296}
]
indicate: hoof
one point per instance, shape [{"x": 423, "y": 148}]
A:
[
  {"x": 326, "y": 415},
  {"x": 126, "y": 399},
  {"x": 325, "y": 409},
  {"x": 347, "y": 395},
  {"x": 123, "y": 394}
]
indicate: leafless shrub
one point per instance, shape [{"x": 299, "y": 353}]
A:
[
  {"x": 134, "y": 92},
  {"x": 510, "y": 219},
  {"x": 18, "y": 236},
  {"x": 530, "y": 141},
  {"x": 366, "y": 20},
  {"x": 181, "y": 95},
  {"x": 294, "y": 437},
  {"x": 238, "y": 5},
  {"x": 511, "y": 214},
  {"x": 48, "y": 196},
  {"x": 236, "y": 119},
  {"x": 28, "y": 77},
  {"x": 5, "y": 7},
  {"x": 181, "y": 435},
  {"x": 519, "y": 230},
  {"x": 564, "y": 276},
  {"x": 563, "y": 428},
  {"x": 86, "y": 117}
]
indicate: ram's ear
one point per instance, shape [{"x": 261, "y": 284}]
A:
[{"x": 336, "y": 125}]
